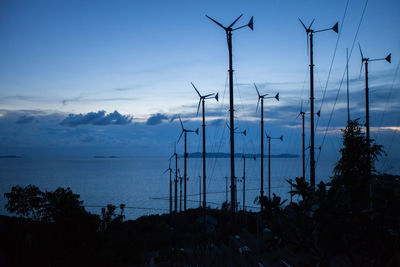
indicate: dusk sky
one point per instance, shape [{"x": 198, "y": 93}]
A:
[{"x": 85, "y": 78}]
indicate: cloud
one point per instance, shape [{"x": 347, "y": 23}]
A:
[
  {"x": 25, "y": 119},
  {"x": 122, "y": 89},
  {"x": 156, "y": 119},
  {"x": 96, "y": 118}
]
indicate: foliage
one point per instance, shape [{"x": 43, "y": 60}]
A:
[
  {"x": 26, "y": 201},
  {"x": 109, "y": 217}
]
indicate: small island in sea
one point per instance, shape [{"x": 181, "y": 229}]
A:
[
  {"x": 10, "y": 157},
  {"x": 106, "y": 157}
]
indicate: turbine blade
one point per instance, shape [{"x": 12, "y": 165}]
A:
[
  {"x": 208, "y": 95},
  {"x": 174, "y": 149},
  {"x": 309, "y": 27},
  {"x": 233, "y": 23},
  {"x": 181, "y": 123},
  {"x": 258, "y": 93},
  {"x": 362, "y": 63},
  {"x": 251, "y": 23},
  {"x": 216, "y": 22},
  {"x": 198, "y": 108},
  {"x": 196, "y": 89},
  {"x": 180, "y": 136},
  {"x": 335, "y": 27},
  {"x": 389, "y": 58},
  {"x": 166, "y": 170},
  {"x": 258, "y": 102},
  {"x": 305, "y": 28},
  {"x": 362, "y": 56},
  {"x": 307, "y": 45},
  {"x": 216, "y": 97}
]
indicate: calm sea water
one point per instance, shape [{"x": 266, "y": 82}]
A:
[{"x": 140, "y": 182}]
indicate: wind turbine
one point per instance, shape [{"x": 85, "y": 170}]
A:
[
  {"x": 170, "y": 186},
  {"x": 201, "y": 101},
  {"x": 176, "y": 177},
  {"x": 228, "y": 30},
  {"x": 366, "y": 60},
  {"x": 302, "y": 114},
  {"x": 262, "y": 97},
  {"x": 269, "y": 161},
  {"x": 311, "y": 32},
  {"x": 185, "y": 131}
]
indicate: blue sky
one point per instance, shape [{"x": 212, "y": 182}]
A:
[{"x": 126, "y": 68}]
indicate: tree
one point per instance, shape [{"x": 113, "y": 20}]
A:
[
  {"x": 26, "y": 201},
  {"x": 351, "y": 173}
]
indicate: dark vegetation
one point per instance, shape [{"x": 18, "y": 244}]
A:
[{"x": 351, "y": 221}]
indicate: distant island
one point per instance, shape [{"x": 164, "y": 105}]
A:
[
  {"x": 10, "y": 157},
  {"x": 238, "y": 155},
  {"x": 106, "y": 157}
]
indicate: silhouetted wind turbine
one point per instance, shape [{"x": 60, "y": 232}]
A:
[
  {"x": 366, "y": 60},
  {"x": 176, "y": 177},
  {"x": 311, "y": 32},
  {"x": 228, "y": 31},
  {"x": 262, "y": 97},
  {"x": 201, "y": 101},
  {"x": 180, "y": 191},
  {"x": 269, "y": 161},
  {"x": 303, "y": 151},
  {"x": 170, "y": 186},
  {"x": 185, "y": 131}
]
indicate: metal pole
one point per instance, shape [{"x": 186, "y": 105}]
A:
[
  {"x": 367, "y": 127},
  {"x": 269, "y": 167},
  {"x": 204, "y": 164},
  {"x": 244, "y": 181},
  {"x": 262, "y": 156},
  {"x": 180, "y": 194},
  {"x": 176, "y": 182},
  {"x": 170, "y": 190},
  {"x": 347, "y": 74},
  {"x": 312, "y": 161},
  {"x": 226, "y": 189},
  {"x": 185, "y": 174},
  {"x": 303, "y": 151},
  {"x": 199, "y": 191},
  {"x": 232, "y": 125}
]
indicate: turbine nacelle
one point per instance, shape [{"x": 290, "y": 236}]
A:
[
  {"x": 250, "y": 24},
  {"x": 203, "y": 97}
]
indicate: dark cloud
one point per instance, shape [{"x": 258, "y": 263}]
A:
[
  {"x": 25, "y": 119},
  {"x": 96, "y": 118},
  {"x": 156, "y": 119}
]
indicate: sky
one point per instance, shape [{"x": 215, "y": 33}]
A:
[{"x": 85, "y": 78}]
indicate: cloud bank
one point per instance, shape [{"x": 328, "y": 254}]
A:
[
  {"x": 99, "y": 118},
  {"x": 156, "y": 119}
]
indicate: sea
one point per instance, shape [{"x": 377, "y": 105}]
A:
[{"x": 142, "y": 184}]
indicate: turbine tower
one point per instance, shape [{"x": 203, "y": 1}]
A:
[
  {"x": 201, "y": 101},
  {"x": 262, "y": 97},
  {"x": 365, "y": 60},
  {"x": 269, "y": 162},
  {"x": 311, "y": 32},
  {"x": 228, "y": 30},
  {"x": 176, "y": 178},
  {"x": 170, "y": 186},
  {"x": 185, "y": 131},
  {"x": 303, "y": 151}
]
